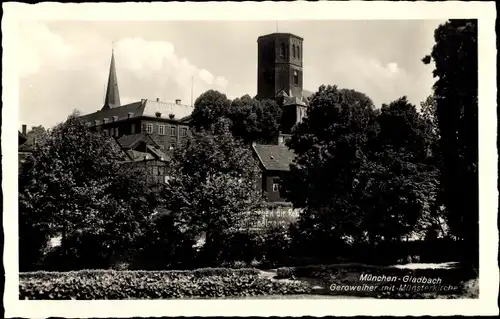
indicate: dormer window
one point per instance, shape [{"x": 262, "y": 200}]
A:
[
  {"x": 105, "y": 120},
  {"x": 171, "y": 116},
  {"x": 158, "y": 114},
  {"x": 130, "y": 114},
  {"x": 115, "y": 118}
]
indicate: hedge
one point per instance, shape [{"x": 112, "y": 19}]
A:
[
  {"x": 89, "y": 285},
  {"x": 172, "y": 274}
]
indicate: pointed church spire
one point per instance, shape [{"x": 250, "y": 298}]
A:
[{"x": 112, "y": 95}]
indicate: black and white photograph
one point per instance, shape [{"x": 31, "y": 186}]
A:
[{"x": 187, "y": 157}]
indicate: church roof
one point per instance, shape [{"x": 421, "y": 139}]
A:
[
  {"x": 293, "y": 100},
  {"x": 279, "y": 35},
  {"x": 274, "y": 157},
  {"x": 148, "y": 108},
  {"x": 112, "y": 93}
]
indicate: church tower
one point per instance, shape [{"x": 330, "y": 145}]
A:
[
  {"x": 112, "y": 95},
  {"x": 280, "y": 76},
  {"x": 279, "y": 65}
]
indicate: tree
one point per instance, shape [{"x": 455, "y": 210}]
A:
[
  {"x": 254, "y": 120},
  {"x": 213, "y": 183},
  {"x": 208, "y": 108},
  {"x": 456, "y": 60},
  {"x": 74, "y": 185},
  {"x": 360, "y": 174},
  {"x": 330, "y": 146},
  {"x": 397, "y": 185}
]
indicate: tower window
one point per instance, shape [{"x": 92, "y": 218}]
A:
[
  {"x": 295, "y": 78},
  {"x": 282, "y": 50},
  {"x": 298, "y": 52},
  {"x": 293, "y": 50}
]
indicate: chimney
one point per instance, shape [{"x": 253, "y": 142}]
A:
[
  {"x": 24, "y": 129},
  {"x": 178, "y": 101},
  {"x": 157, "y": 99}
]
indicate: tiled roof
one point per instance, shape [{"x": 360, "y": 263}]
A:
[
  {"x": 22, "y": 138},
  {"x": 137, "y": 156},
  {"x": 292, "y": 100},
  {"x": 142, "y": 108},
  {"x": 129, "y": 141},
  {"x": 158, "y": 153},
  {"x": 274, "y": 157}
]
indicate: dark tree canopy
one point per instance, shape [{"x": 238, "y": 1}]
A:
[
  {"x": 250, "y": 120},
  {"x": 74, "y": 185},
  {"x": 360, "y": 173},
  {"x": 455, "y": 55},
  {"x": 254, "y": 120},
  {"x": 213, "y": 181},
  {"x": 208, "y": 108}
]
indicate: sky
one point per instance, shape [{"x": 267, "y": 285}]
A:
[{"x": 64, "y": 65}]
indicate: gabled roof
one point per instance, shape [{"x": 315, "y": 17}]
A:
[
  {"x": 159, "y": 154},
  {"x": 282, "y": 93},
  {"x": 122, "y": 156},
  {"x": 274, "y": 157},
  {"x": 138, "y": 156},
  {"x": 148, "y": 108},
  {"x": 131, "y": 141},
  {"x": 22, "y": 138},
  {"x": 292, "y": 100}
]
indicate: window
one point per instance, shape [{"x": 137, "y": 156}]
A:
[
  {"x": 172, "y": 146},
  {"x": 149, "y": 128},
  {"x": 112, "y": 131},
  {"x": 293, "y": 50},
  {"x": 282, "y": 50},
  {"x": 132, "y": 129},
  {"x": 117, "y": 132},
  {"x": 161, "y": 129},
  {"x": 298, "y": 52},
  {"x": 172, "y": 131},
  {"x": 184, "y": 131},
  {"x": 162, "y": 147},
  {"x": 276, "y": 186},
  {"x": 295, "y": 78}
]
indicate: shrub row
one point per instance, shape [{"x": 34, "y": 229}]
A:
[
  {"x": 151, "y": 285},
  {"x": 172, "y": 274}
]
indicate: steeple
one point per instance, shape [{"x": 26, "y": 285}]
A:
[{"x": 112, "y": 95}]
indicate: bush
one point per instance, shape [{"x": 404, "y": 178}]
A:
[
  {"x": 92, "y": 273},
  {"x": 87, "y": 285}
]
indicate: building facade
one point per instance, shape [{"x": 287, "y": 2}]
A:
[
  {"x": 166, "y": 122},
  {"x": 147, "y": 128}
]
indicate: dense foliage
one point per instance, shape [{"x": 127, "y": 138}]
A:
[
  {"x": 74, "y": 186},
  {"x": 212, "y": 185},
  {"x": 153, "y": 285},
  {"x": 455, "y": 56},
  {"x": 249, "y": 119}
]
